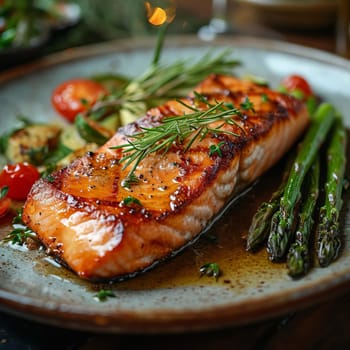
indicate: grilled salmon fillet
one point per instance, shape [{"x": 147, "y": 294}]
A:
[{"x": 81, "y": 213}]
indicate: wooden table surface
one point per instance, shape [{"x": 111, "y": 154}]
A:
[{"x": 325, "y": 326}]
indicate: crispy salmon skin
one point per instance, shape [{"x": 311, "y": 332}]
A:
[{"x": 104, "y": 230}]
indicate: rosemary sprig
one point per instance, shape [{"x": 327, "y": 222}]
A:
[
  {"x": 174, "y": 80},
  {"x": 163, "y": 82},
  {"x": 160, "y": 42},
  {"x": 177, "y": 130}
]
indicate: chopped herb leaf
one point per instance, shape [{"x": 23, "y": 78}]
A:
[
  {"x": 18, "y": 218},
  {"x": 247, "y": 105},
  {"x": 132, "y": 179},
  {"x": 229, "y": 105},
  {"x": 84, "y": 102},
  {"x": 216, "y": 149},
  {"x": 264, "y": 98},
  {"x": 104, "y": 294},
  {"x": 19, "y": 235},
  {"x": 211, "y": 270},
  {"x": 49, "y": 178},
  {"x": 3, "y": 192},
  {"x": 129, "y": 201}
]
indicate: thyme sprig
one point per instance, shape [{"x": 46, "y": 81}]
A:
[
  {"x": 20, "y": 232},
  {"x": 20, "y": 235},
  {"x": 176, "y": 130}
]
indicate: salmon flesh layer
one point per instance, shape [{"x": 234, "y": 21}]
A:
[{"x": 81, "y": 213}]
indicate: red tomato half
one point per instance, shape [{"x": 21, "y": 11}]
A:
[
  {"x": 19, "y": 178},
  {"x": 76, "y": 96},
  {"x": 297, "y": 82}
]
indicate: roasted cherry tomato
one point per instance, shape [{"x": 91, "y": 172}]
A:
[
  {"x": 76, "y": 96},
  {"x": 294, "y": 83},
  {"x": 19, "y": 178}
]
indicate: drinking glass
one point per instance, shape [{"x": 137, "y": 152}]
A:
[{"x": 218, "y": 23}]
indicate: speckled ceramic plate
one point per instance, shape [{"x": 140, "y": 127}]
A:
[{"x": 172, "y": 297}]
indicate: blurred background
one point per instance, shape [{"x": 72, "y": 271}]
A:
[{"x": 33, "y": 28}]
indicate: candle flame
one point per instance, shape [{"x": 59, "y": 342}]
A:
[{"x": 158, "y": 16}]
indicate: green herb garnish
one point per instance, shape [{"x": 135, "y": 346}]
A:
[
  {"x": 19, "y": 235},
  {"x": 20, "y": 232},
  {"x": 84, "y": 102},
  {"x": 3, "y": 192},
  {"x": 163, "y": 82},
  {"x": 264, "y": 98},
  {"x": 131, "y": 179},
  {"x": 247, "y": 105},
  {"x": 216, "y": 149},
  {"x": 177, "y": 130},
  {"x": 49, "y": 177},
  {"x": 131, "y": 201},
  {"x": 104, "y": 294},
  {"x": 211, "y": 270}
]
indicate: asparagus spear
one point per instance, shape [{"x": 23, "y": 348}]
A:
[
  {"x": 260, "y": 226},
  {"x": 328, "y": 236},
  {"x": 261, "y": 223},
  {"x": 298, "y": 258},
  {"x": 283, "y": 220}
]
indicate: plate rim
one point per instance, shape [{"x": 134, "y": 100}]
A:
[
  {"x": 162, "y": 321},
  {"x": 125, "y": 45},
  {"x": 168, "y": 321}
]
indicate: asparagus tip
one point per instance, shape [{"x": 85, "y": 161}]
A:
[
  {"x": 298, "y": 260},
  {"x": 279, "y": 237},
  {"x": 328, "y": 245}
]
